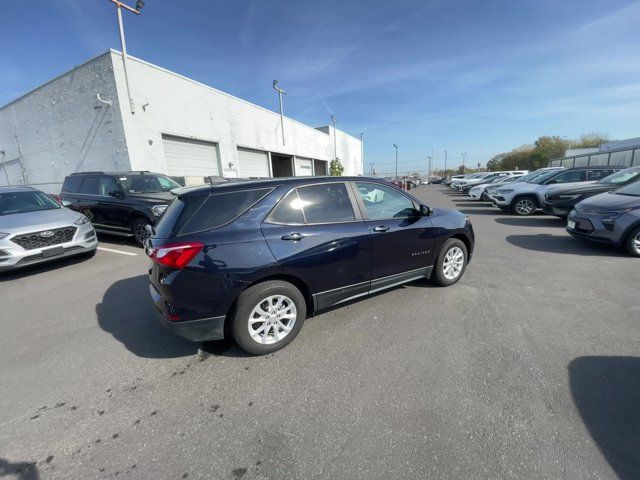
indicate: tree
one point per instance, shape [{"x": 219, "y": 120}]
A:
[
  {"x": 335, "y": 168},
  {"x": 495, "y": 163},
  {"x": 590, "y": 140}
]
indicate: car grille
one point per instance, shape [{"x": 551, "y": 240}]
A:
[
  {"x": 31, "y": 241},
  {"x": 35, "y": 258}
]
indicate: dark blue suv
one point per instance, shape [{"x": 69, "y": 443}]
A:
[{"x": 253, "y": 259}]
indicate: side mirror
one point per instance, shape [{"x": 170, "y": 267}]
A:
[
  {"x": 116, "y": 193},
  {"x": 66, "y": 203},
  {"x": 425, "y": 211}
]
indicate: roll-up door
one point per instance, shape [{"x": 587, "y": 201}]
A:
[
  {"x": 253, "y": 163},
  {"x": 304, "y": 167},
  {"x": 187, "y": 157}
]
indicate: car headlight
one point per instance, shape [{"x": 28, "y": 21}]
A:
[
  {"x": 612, "y": 214},
  {"x": 158, "y": 210},
  {"x": 82, "y": 220},
  {"x": 503, "y": 192}
]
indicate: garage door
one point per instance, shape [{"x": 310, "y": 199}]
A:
[
  {"x": 304, "y": 167},
  {"x": 186, "y": 157},
  {"x": 253, "y": 163}
]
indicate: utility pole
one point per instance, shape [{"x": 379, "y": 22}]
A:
[
  {"x": 371, "y": 164},
  {"x": 280, "y": 93},
  {"x": 119, "y": 6},
  {"x": 428, "y": 167},
  {"x": 445, "y": 164},
  {"x": 335, "y": 140},
  {"x": 463, "y": 158},
  {"x": 362, "y": 150},
  {"x": 396, "y": 147}
]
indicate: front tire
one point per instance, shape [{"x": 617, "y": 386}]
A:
[
  {"x": 524, "y": 206},
  {"x": 632, "y": 245},
  {"x": 139, "y": 230},
  {"x": 268, "y": 316},
  {"x": 451, "y": 263}
]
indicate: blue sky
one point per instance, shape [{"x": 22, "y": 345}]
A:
[{"x": 455, "y": 75}]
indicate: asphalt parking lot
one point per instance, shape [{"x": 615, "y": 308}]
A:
[{"x": 527, "y": 368}]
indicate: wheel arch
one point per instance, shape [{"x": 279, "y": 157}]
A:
[
  {"x": 625, "y": 236},
  {"x": 532, "y": 196}
]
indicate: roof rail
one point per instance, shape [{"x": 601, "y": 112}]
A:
[{"x": 88, "y": 173}]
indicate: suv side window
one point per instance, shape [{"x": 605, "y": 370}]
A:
[
  {"x": 313, "y": 204},
  {"x": 598, "y": 174},
  {"x": 383, "y": 203},
  {"x": 568, "y": 177},
  {"x": 221, "y": 208},
  {"x": 107, "y": 186},
  {"x": 72, "y": 184},
  {"x": 90, "y": 186}
]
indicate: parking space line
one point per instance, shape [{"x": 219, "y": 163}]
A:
[{"x": 117, "y": 251}]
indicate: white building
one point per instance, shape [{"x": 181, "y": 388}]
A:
[{"x": 82, "y": 121}]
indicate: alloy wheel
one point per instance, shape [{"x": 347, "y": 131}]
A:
[
  {"x": 636, "y": 243},
  {"x": 525, "y": 206},
  {"x": 272, "y": 319},
  {"x": 141, "y": 233},
  {"x": 453, "y": 263}
]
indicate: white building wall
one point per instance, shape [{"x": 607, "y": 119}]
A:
[
  {"x": 167, "y": 103},
  {"x": 61, "y": 128}
]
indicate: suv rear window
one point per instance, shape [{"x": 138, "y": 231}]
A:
[{"x": 220, "y": 209}]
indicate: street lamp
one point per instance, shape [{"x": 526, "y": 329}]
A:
[
  {"x": 119, "y": 6},
  {"x": 371, "y": 164},
  {"x": 362, "y": 150},
  {"x": 280, "y": 93},
  {"x": 463, "y": 157},
  {"x": 335, "y": 141},
  {"x": 396, "y": 147},
  {"x": 445, "y": 164}
]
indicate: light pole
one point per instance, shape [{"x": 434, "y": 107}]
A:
[
  {"x": 371, "y": 164},
  {"x": 119, "y": 6},
  {"x": 445, "y": 164},
  {"x": 335, "y": 141},
  {"x": 463, "y": 157},
  {"x": 396, "y": 147},
  {"x": 428, "y": 167},
  {"x": 362, "y": 150},
  {"x": 280, "y": 93}
]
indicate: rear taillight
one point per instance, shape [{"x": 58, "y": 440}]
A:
[{"x": 175, "y": 255}]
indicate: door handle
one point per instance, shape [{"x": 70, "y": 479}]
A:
[
  {"x": 293, "y": 237},
  {"x": 380, "y": 228}
]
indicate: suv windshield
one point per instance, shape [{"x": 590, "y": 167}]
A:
[
  {"x": 147, "y": 183},
  {"x": 22, "y": 202},
  {"x": 632, "y": 190},
  {"x": 621, "y": 177},
  {"x": 541, "y": 178}
]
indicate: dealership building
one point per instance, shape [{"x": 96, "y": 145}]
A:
[{"x": 92, "y": 119}]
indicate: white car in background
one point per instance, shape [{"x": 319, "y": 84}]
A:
[{"x": 479, "y": 192}]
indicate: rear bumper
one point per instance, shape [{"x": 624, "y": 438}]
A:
[{"x": 211, "y": 328}]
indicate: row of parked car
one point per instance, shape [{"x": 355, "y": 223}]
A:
[{"x": 600, "y": 203}]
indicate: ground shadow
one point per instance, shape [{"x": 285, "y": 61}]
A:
[
  {"x": 108, "y": 238},
  {"x": 127, "y": 313},
  {"x": 468, "y": 202},
  {"x": 532, "y": 221},
  {"x": 20, "y": 470},
  {"x": 606, "y": 391},
  {"x": 479, "y": 211},
  {"x": 544, "y": 242}
]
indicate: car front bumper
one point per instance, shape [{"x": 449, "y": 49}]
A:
[
  {"x": 13, "y": 256},
  {"x": 556, "y": 209},
  {"x": 591, "y": 227}
]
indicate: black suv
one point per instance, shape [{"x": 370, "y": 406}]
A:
[
  {"x": 252, "y": 259},
  {"x": 119, "y": 203}
]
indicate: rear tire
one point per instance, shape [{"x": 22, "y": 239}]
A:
[
  {"x": 524, "y": 206},
  {"x": 484, "y": 197},
  {"x": 268, "y": 316},
  {"x": 451, "y": 263},
  {"x": 632, "y": 245}
]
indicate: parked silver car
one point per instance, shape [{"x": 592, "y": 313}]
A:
[{"x": 34, "y": 228}]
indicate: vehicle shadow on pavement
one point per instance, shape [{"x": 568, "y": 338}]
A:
[
  {"x": 545, "y": 242},
  {"x": 478, "y": 211},
  {"x": 606, "y": 391},
  {"x": 532, "y": 221},
  {"x": 126, "y": 312},
  {"x": 20, "y": 470}
]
